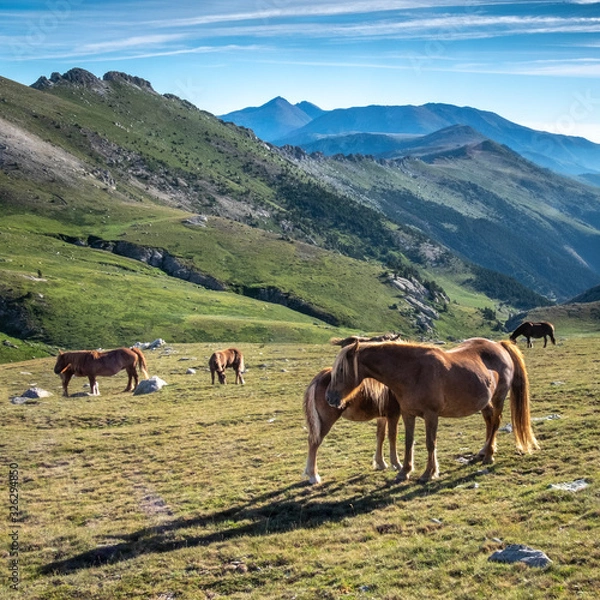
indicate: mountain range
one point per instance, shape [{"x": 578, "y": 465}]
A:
[
  {"x": 129, "y": 214},
  {"x": 392, "y": 132}
]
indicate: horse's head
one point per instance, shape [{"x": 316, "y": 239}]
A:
[
  {"x": 344, "y": 376},
  {"x": 61, "y": 363}
]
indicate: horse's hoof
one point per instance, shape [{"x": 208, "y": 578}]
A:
[{"x": 402, "y": 476}]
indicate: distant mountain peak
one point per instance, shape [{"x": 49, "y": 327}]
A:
[
  {"x": 83, "y": 78},
  {"x": 272, "y": 120}
]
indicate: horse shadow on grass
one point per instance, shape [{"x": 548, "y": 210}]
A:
[{"x": 296, "y": 506}]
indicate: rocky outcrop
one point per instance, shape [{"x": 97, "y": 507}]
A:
[
  {"x": 77, "y": 76},
  {"x": 138, "y": 82},
  {"x": 83, "y": 78},
  {"x": 159, "y": 258},
  {"x": 15, "y": 316},
  {"x": 277, "y": 296}
]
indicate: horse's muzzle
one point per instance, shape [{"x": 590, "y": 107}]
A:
[{"x": 333, "y": 398}]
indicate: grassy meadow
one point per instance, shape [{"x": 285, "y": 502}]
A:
[{"x": 196, "y": 491}]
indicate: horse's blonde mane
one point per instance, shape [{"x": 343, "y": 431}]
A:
[{"x": 376, "y": 390}]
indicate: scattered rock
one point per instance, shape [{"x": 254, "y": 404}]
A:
[
  {"x": 573, "y": 486},
  {"x": 148, "y": 386},
  {"x": 551, "y": 417},
  {"x": 150, "y": 345},
  {"x": 36, "y": 392},
  {"x": 190, "y": 371},
  {"x": 33, "y": 393},
  {"x": 520, "y": 553}
]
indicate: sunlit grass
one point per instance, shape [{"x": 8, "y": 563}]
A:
[{"x": 196, "y": 491}]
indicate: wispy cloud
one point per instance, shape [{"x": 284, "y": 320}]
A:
[{"x": 141, "y": 41}]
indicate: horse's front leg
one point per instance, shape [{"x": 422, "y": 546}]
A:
[
  {"x": 409, "y": 439},
  {"x": 393, "y": 438},
  {"x": 66, "y": 377},
  {"x": 529, "y": 343},
  {"x": 311, "y": 461},
  {"x": 378, "y": 460},
  {"x": 315, "y": 439},
  {"x": 432, "y": 470}
]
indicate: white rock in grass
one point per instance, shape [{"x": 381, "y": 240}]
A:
[
  {"x": 520, "y": 553},
  {"x": 148, "y": 386}
]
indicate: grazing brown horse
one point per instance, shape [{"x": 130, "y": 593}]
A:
[
  {"x": 222, "y": 359},
  {"x": 371, "y": 400},
  {"x": 92, "y": 363},
  {"x": 534, "y": 330},
  {"x": 430, "y": 383}
]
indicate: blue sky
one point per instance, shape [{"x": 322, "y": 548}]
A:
[{"x": 535, "y": 63}]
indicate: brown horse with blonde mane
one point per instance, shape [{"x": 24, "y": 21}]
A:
[
  {"x": 370, "y": 400},
  {"x": 222, "y": 359},
  {"x": 430, "y": 383},
  {"x": 529, "y": 330},
  {"x": 94, "y": 363}
]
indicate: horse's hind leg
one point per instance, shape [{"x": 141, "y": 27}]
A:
[
  {"x": 238, "y": 377},
  {"x": 94, "y": 389},
  {"x": 432, "y": 470},
  {"x": 132, "y": 376},
  {"x": 492, "y": 422},
  {"x": 378, "y": 460}
]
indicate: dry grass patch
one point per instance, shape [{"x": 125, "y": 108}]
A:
[{"x": 196, "y": 491}]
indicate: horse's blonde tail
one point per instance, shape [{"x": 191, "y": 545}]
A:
[
  {"x": 242, "y": 364},
  {"x": 142, "y": 365},
  {"x": 519, "y": 401}
]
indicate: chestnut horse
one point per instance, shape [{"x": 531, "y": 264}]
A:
[
  {"x": 93, "y": 363},
  {"x": 430, "y": 383},
  {"x": 371, "y": 400},
  {"x": 534, "y": 330},
  {"x": 222, "y": 359}
]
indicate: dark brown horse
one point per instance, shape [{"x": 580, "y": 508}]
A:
[
  {"x": 431, "y": 383},
  {"x": 371, "y": 400},
  {"x": 534, "y": 330},
  {"x": 92, "y": 364},
  {"x": 222, "y": 359}
]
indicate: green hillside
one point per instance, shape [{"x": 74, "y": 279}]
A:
[
  {"x": 488, "y": 205},
  {"x": 110, "y": 162}
]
